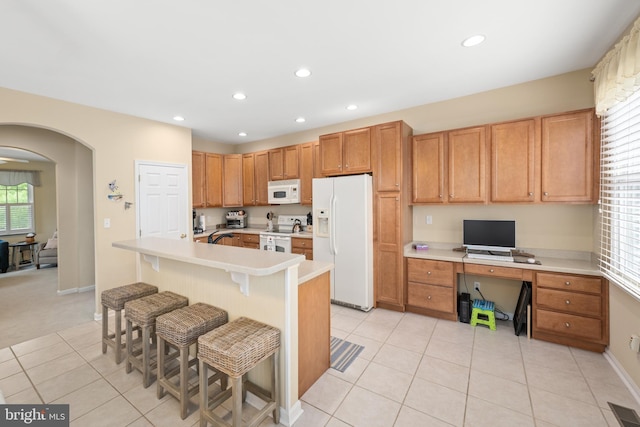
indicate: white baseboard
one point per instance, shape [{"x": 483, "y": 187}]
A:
[
  {"x": 76, "y": 290},
  {"x": 622, "y": 373}
]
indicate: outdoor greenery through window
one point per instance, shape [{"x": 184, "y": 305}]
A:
[
  {"x": 620, "y": 194},
  {"x": 16, "y": 209}
]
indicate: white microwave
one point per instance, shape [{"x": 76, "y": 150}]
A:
[{"x": 284, "y": 192}]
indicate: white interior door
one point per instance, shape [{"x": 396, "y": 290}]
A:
[{"x": 162, "y": 192}]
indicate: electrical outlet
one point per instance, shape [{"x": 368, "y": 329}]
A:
[
  {"x": 634, "y": 343},
  {"x": 476, "y": 286}
]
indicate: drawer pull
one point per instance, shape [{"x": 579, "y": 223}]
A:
[
  {"x": 428, "y": 273},
  {"x": 567, "y": 324},
  {"x": 429, "y": 297},
  {"x": 567, "y": 283},
  {"x": 491, "y": 270},
  {"x": 567, "y": 302}
]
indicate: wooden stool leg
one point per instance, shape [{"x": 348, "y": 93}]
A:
[
  {"x": 236, "y": 401},
  {"x": 204, "y": 392},
  {"x": 105, "y": 327},
  {"x": 129, "y": 346},
  {"x": 146, "y": 357},
  {"x": 275, "y": 385},
  {"x": 118, "y": 336},
  {"x": 160, "y": 355},
  {"x": 184, "y": 377}
]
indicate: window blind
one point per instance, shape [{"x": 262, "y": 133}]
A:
[{"x": 620, "y": 194}]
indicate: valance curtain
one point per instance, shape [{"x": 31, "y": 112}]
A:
[
  {"x": 15, "y": 177},
  {"x": 617, "y": 76}
]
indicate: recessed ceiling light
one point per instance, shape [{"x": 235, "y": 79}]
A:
[
  {"x": 178, "y": 118},
  {"x": 242, "y": 134},
  {"x": 303, "y": 72},
  {"x": 239, "y": 96},
  {"x": 301, "y": 120},
  {"x": 352, "y": 107},
  {"x": 473, "y": 40}
]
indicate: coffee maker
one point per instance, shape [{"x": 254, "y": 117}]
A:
[{"x": 197, "y": 226}]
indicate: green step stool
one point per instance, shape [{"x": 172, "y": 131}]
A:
[{"x": 483, "y": 313}]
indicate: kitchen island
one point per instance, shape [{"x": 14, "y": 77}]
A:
[{"x": 261, "y": 285}]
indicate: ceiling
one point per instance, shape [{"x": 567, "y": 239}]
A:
[{"x": 157, "y": 58}]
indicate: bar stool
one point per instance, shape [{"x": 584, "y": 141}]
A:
[
  {"x": 143, "y": 312},
  {"x": 483, "y": 313},
  {"x": 180, "y": 329},
  {"x": 235, "y": 349},
  {"x": 115, "y": 299}
]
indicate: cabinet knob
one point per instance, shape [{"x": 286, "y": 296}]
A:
[
  {"x": 546, "y": 194},
  {"x": 440, "y": 196},
  {"x": 397, "y": 185},
  {"x": 530, "y": 194},
  {"x": 567, "y": 302},
  {"x": 567, "y": 283},
  {"x": 428, "y": 273},
  {"x": 567, "y": 324},
  {"x": 346, "y": 166},
  {"x": 451, "y": 195},
  {"x": 429, "y": 297},
  {"x": 339, "y": 166},
  {"x": 491, "y": 270}
]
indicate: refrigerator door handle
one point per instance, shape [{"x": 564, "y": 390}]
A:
[{"x": 332, "y": 228}]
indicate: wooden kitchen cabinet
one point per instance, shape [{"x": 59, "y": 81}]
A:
[
  {"x": 250, "y": 240},
  {"x": 206, "y": 179},
  {"x": 346, "y": 153},
  {"x": 284, "y": 163},
  {"x": 198, "y": 185},
  {"x": 514, "y": 161},
  {"x": 431, "y": 288},
  {"x": 232, "y": 180},
  {"x": 428, "y": 165},
  {"x": 306, "y": 172},
  {"x": 568, "y": 167},
  {"x": 571, "y": 310},
  {"x": 388, "y": 253},
  {"x": 236, "y": 240},
  {"x": 255, "y": 177},
  {"x": 467, "y": 153},
  {"x": 302, "y": 246},
  {"x": 389, "y": 148}
]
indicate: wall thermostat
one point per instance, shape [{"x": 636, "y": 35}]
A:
[{"x": 634, "y": 343}]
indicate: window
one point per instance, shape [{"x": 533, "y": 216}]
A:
[
  {"x": 16, "y": 209},
  {"x": 620, "y": 194}
]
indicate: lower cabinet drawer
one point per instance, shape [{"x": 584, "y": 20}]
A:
[
  {"x": 432, "y": 297},
  {"x": 569, "y": 325},
  {"x": 570, "y": 302}
]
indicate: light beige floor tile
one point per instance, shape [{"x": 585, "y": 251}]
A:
[
  {"x": 409, "y": 417},
  {"x": 595, "y": 366},
  {"x": 452, "y": 352},
  {"x": 559, "y": 382},
  {"x": 44, "y": 355},
  {"x": 82, "y": 341},
  {"x": 116, "y": 412},
  {"x": 88, "y": 398},
  {"x": 14, "y": 384},
  {"x": 481, "y": 413},
  {"x": 36, "y": 344},
  {"x": 495, "y": 363},
  {"x": 6, "y": 354},
  {"x": 615, "y": 393},
  {"x": 506, "y": 393},
  {"x": 444, "y": 373},
  {"x": 364, "y": 408},
  {"x": 398, "y": 358},
  {"x": 81, "y": 330},
  {"x": 386, "y": 317},
  {"x": 312, "y": 416},
  {"x": 553, "y": 356},
  {"x": 28, "y": 395},
  {"x": 67, "y": 382},
  {"x": 375, "y": 331},
  {"x": 53, "y": 368},
  {"x": 103, "y": 363},
  {"x": 122, "y": 381},
  {"x": 352, "y": 312},
  {"x": 371, "y": 347},
  {"x": 503, "y": 338},
  {"x": 417, "y": 324},
  {"x": 338, "y": 333},
  {"x": 334, "y": 422},
  {"x": 344, "y": 323},
  {"x": 167, "y": 414},
  {"x": 454, "y": 332},
  {"x": 327, "y": 393},
  {"x": 611, "y": 419},
  {"x": 143, "y": 422},
  {"x": 385, "y": 381},
  {"x": 145, "y": 399},
  {"x": 353, "y": 372},
  {"x": 562, "y": 411},
  {"x": 9, "y": 367},
  {"x": 409, "y": 340},
  {"x": 437, "y": 401}
]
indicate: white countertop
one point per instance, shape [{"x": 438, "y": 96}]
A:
[
  {"x": 582, "y": 264},
  {"x": 311, "y": 269},
  {"x": 249, "y": 230}
]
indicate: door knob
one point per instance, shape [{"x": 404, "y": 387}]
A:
[{"x": 182, "y": 236}]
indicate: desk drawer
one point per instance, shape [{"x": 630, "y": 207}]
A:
[
  {"x": 432, "y": 272},
  {"x": 569, "y": 283},
  {"x": 569, "y": 325},
  {"x": 491, "y": 271},
  {"x": 570, "y": 302},
  {"x": 439, "y": 298}
]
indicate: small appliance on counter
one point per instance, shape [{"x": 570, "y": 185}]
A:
[
  {"x": 237, "y": 219},
  {"x": 197, "y": 225}
]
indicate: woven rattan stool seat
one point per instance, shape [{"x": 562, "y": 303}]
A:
[
  {"x": 144, "y": 311},
  {"x": 183, "y": 326},
  {"x": 238, "y": 346},
  {"x": 234, "y": 349},
  {"x": 115, "y": 299}
]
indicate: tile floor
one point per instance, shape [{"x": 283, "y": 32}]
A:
[{"x": 414, "y": 371}]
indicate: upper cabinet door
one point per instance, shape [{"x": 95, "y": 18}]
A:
[
  {"x": 214, "y": 180},
  {"x": 428, "y": 158},
  {"x": 567, "y": 157},
  {"x": 291, "y": 160},
  {"x": 248, "y": 179},
  {"x": 389, "y": 151},
  {"x": 357, "y": 151},
  {"x": 331, "y": 154},
  {"x": 232, "y": 195},
  {"x": 306, "y": 173},
  {"x": 198, "y": 185},
  {"x": 467, "y": 163},
  {"x": 513, "y": 161},
  {"x": 261, "y": 193},
  {"x": 276, "y": 164}
]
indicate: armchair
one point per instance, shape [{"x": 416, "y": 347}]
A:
[{"x": 47, "y": 253}]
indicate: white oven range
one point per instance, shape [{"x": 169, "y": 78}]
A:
[{"x": 279, "y": 240}]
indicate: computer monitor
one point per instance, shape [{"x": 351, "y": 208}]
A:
[{"x": 489, "y": 235}]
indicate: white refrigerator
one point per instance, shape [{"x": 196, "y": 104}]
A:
[{"x": 343, "y": 235}]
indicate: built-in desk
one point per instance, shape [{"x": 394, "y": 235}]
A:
[{"x": 570, "y": 299}]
